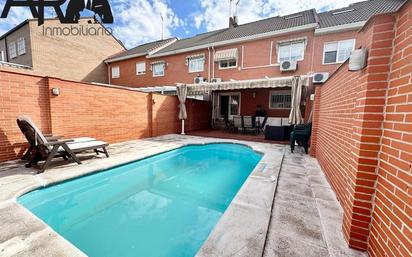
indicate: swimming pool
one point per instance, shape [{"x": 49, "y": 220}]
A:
[{"x": 165, "y": 205}]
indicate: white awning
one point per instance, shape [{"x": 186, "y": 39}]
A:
[
  {"x": 157, "y": 62},
  {"x": 228, "y": 54},
  {"x": 245, "y": 84},
  {"x": 194, "y": 56}
]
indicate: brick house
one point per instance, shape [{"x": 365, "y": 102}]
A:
[
  {"x": 317, "y": 42},
  {"x": 48, "y": 48}
]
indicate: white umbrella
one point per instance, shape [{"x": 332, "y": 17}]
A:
[
  {"x": 182, "y": 94},
  {"x": 295, "y": 116}
]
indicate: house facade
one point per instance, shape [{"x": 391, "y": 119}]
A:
[
  {"x": 49, "y": 50},
  {"x": 315, "y": 42}
]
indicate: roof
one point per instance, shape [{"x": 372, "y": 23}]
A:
[
  {"x": 141, "y": 50},
  {"x": 358, "y": 12},
  {"x": 250, "y": 29}
]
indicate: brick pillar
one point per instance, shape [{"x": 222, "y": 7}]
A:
[
  {"x": 315, "y": 121},
  {"x": 367, "y": 132}
]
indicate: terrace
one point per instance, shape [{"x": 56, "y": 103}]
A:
[{"x": 285, "y": 208}]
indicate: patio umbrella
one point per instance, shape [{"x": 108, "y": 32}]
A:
[
  {"x": 182, "y": 94},
  {"x": 295, "y": 116}
]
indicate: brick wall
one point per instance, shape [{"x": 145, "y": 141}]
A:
[
  {"x": 391, "y": 227},
  {"x": 105, "y": 113},
  {"x": 362, "y": 138}
]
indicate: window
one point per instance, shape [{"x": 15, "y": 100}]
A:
[
  {"x": 196, "y": 64},
  {"x": 116, "y": 72},
  {"x": 12, "y": 50},
  {"x": 291, "y": 51},
  {"x": 140, "y": 68},
  {"x": 338, "y": 52},
  {"x": 281, "y": 99},
  {"x": 158, "y": 69},
  {"x": 21, "y": 46},
  {"x": 228, "y": 64}
]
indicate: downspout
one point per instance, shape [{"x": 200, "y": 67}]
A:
[
  {"x": 208, "y": 68},
  {"x": 213, "y": 63},
  {"x": 7, "y": 49},
  {"x": 108, "y": 73}
]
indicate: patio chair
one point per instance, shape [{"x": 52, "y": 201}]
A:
[
  {"x": 49, "y": 137},
  {"x": 301, "y": 134},
  {"x": 248, "y": 124},
  {"x": 47, "y": 150},
  {"x": 237, "y": 123},
  {"x": 263, "y": 124}
]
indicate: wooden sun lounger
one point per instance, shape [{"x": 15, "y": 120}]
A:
[{"x": 45, "y": 149}]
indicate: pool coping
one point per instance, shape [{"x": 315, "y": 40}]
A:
[{"x": 241, "y": 231}]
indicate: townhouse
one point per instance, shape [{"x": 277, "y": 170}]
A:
[
  {"x": 73, "y": 52},
  {"x": 300, "y": 44}
]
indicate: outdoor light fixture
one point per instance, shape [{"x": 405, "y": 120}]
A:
[{"x": 56, "y": 91}]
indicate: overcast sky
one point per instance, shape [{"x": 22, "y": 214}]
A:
[{"x": 138, "y": 21}]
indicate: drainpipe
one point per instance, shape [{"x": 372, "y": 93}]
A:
[
  {"x": 7, "y": 49},
  {"x": 213, "y": 63},
  {"x": 208, "y": 68}
]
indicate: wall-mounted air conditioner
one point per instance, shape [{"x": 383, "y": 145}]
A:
[
  {"x": 288, "y": 66},
  {"x": 320, "y": 77},
  {"x": 216, "y": 80},
  {"x": 198, "y": 80}
]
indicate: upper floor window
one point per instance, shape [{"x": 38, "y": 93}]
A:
[
  {"x": 21, "y": 46},
  {"x": 158, "y": 69},
  {"x": 116, "y": 72},
  {"x": 291, "y": 51},
  {"x": 140, "y": 68},
  {"x": 338, "y": 52},
  {"x": 12, "y": 50},
  {"x": 196, "y": 64},
  {"x": 280, "y": 99},
  {"x": 227, "y": 64}
]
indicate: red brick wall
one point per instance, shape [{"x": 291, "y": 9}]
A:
[
  {"x": 362, "y": 139},
  {"x": 21, "y": 95},
  {"x": 105, "y": 113},
  {"x": 391, "y": 227}
]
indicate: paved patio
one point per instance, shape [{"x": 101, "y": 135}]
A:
[{"x": 285, "y": 208}]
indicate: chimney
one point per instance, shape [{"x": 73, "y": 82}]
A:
[{"x": 233, "y": 22}]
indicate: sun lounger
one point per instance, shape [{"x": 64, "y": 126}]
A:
[{"x": 48, "y": 149}]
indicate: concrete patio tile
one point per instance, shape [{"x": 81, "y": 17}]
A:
[
  {"x": 297, "y": 216},
  {"x": 257, "y": 193},
  {"x": 324, "y": 193},
  {"x": 295, "y": 186},
  {"x": 286, "y": 246},
  {"x": 232, "y": 236}
]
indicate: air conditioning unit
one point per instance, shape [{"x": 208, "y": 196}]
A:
[
  {"x": 198, "y": 80},
  {"x": 320, "y": 77},
  {"x": 216, "y": 80},
  {"x": 288, "y": 66}
]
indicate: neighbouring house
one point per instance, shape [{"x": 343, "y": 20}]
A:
[
  {"x": 300, "y": 44},
  {"x": 68, "y": 51}
]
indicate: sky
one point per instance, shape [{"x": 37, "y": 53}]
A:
[{"x": 138, "y": 21}]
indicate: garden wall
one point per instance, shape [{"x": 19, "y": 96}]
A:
[
  {"x": 105, "y": 113},
  {"x": 362, "y": 138}
]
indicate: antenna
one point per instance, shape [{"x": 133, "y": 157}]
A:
[
  {"x": 161, "y": 17},
  {"x": 237, "y": 3}
]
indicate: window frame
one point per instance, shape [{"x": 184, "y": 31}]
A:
[
  {"x": 14, "y": 55},
  {"x": 197, "y": 59},
  {"x": 21, "y": 46},
  {"x": 338, "y": 50},
  {"x": 228, "y": 67},
  {"x": 285, "y": 91},
  {"x": 164, "y": 69},
  {"x": 279, "y": 44},
  {"x": 117, "y": 76},
  {"x": 141, "y": 72}
]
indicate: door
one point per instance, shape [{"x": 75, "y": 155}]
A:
[{"x": 229, "y": 105}]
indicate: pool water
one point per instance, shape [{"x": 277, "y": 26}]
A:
[{"x": 165, "y": 205}]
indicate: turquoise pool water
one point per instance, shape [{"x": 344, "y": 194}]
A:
[{"x": 165, "y": 205}]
